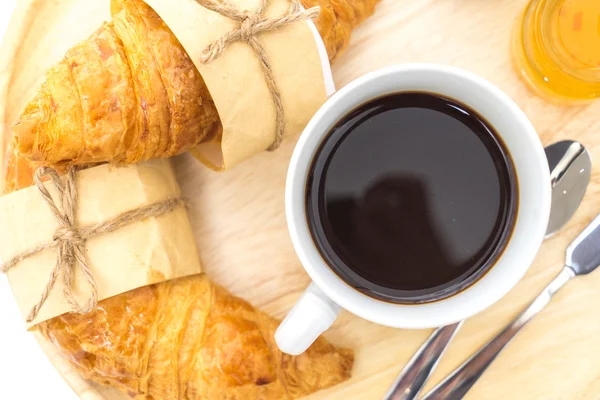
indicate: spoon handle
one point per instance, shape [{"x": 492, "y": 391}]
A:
[
  {"x": 416, "y": 373},
  {"x": 457, "y": 384}
]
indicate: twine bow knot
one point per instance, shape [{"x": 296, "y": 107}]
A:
[
  {"x": 68, "y": 234},
  {"x": 70, "y": 240},
  {"x": 251, "y": 23},
  {"x": 247, "y": 27}
]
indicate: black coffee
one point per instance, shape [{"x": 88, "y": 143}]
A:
[{"x": 411, "y": 197}]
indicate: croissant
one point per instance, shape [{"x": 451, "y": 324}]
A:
[
  {"x": 190, "y": 339},
  {"x": 130, "y": 92},
  {"x": 186, "y": 338}
]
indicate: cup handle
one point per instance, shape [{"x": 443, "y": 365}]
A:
[{"x": 312, "y": 315}]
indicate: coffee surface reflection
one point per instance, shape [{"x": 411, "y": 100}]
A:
[
  {"x": 391, "y": 224},
  {"x": 411, "y": 198}
]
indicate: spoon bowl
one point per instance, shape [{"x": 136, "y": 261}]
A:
[{"x": 570, "y": 171}]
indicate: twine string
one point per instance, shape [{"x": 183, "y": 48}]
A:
[
  {"x": 252, "y": 23},
  {"x": 70, "y": 240}
]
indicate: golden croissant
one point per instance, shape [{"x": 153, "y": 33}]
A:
[
  {"x": 190, "y": 339},
  {"x": 186, "y": 338},
  {"x": 130, "y": 92}
]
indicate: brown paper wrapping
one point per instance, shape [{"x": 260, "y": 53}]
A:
[
  {"x": 235, "y": 80},
  {"x": 142, "y": 253}
]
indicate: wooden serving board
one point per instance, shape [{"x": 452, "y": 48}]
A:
[{"x": 239, "y": 220}]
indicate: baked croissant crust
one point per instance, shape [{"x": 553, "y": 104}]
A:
[
  {"x": 130, "y": 92},
  {"x": 190, "y": 339},
  {"x": 186, "y": 338}
]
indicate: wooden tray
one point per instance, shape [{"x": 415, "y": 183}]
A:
[{"x": 239, "y": 221}]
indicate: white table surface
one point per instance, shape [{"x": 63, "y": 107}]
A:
[{"x": 25, "y": 372}]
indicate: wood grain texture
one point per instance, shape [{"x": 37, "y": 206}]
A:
[{"x": 239, "y": 220}]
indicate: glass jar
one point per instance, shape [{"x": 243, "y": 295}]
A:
[{"x": 556, "y": 48}]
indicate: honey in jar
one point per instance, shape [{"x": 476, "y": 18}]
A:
[{"x": 557, "y": 48}]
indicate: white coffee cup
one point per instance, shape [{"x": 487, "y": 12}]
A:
[{"x": 318, "y": 307}]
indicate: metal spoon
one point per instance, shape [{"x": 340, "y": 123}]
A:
[
  {"x": 570, "y": 170},
  {"x": 583, "y": 257}
]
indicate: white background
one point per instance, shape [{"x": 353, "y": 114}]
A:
[{"x": 25, "y": 372}]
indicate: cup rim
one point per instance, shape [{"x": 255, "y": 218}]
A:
[{"x": 529, "y": 230}]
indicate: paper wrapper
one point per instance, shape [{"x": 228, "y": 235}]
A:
[
  {"x": 142, "y": 253},
  {"x": 236, "y": 82}
]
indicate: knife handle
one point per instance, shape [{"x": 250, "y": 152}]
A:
[
  {"x": 458, "y": 383},
  {"x": 416, "y": 373}
]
